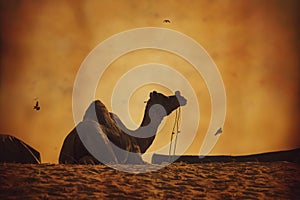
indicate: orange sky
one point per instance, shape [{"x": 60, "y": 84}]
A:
[{"x": 255, "y": 45}]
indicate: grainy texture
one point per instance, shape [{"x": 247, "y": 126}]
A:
[
  {"x": 254, "y": 43},
  {"x": 248, "y": 180}
]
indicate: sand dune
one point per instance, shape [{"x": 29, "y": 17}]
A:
[
  {"x": 288, "y": 155},
  {"x": 232, "y": 180}
]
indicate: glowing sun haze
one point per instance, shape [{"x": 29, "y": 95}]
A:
[{"x": 255, "y": 45}]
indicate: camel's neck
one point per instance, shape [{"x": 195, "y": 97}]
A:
[{"x": 146, "y": 133}]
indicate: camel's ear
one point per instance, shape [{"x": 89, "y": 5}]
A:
[
  {"x": 177, "y": 93},
  {"x": 153, "y": 93}
]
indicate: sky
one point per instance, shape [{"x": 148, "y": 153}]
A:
[{"x": 255, "y": 45}]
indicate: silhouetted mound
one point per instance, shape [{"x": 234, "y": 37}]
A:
[
  {"x": 107, "y": 139},
  {"x": 289, "y": 156},
  {"x": 13, "y": 150}
]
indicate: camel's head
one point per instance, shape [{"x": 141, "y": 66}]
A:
[{"x": 169, "y": 103}]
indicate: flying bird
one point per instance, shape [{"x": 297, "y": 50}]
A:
[
  {"x": 219, "y": 131},
  {"x": 166, "y": 21},
  {"x": 37, "y": 107}
]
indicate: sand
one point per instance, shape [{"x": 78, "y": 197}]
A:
[{"x": 246, "y": 180}]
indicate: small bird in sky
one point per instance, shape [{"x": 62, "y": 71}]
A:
[
  {"x": 37, "y": 107},
  {"x": 219, "y": 131},
  {"x": 166, "y": 21}
]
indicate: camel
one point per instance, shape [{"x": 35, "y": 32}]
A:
[{"x": 132, "y": 143}]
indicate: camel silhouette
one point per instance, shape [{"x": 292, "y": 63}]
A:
[{"x": 135, "y": 141}]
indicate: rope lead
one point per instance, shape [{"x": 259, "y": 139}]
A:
[{"x": 175, "y": 126}]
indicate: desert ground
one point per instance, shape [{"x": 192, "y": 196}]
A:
[{"x": 233, "y": 180}]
